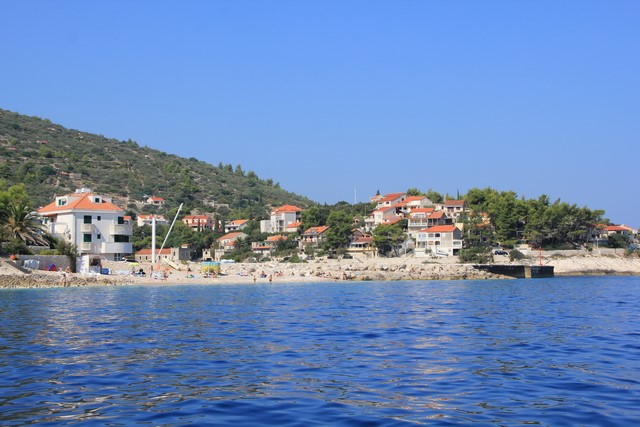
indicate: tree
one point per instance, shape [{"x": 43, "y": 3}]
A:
[
  {"x": 618, "y": 240},
  {"x": 434, "y": 196},
  {"x": 414, "y": 192},
  {"x": 340, "y": 229},
  {"x": 17, "y": 218},
  {"x": 388, "y": 238},
  {"x": 314, "y": 216}
]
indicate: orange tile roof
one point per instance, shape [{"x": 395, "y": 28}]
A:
[
  {"x": 205, "y": 217},
  {"x": 317, "y": 230},
  {"x": 422, "y": 210},
  {"x": 287, "y": 208},
  {"x": 441, "y": 229},
  {"x": 393, "y": 220},
  {"x": 363, "y": 240},
  {"x": 436, "y": 215},
  {"x": 414, "y": 199},
  {"x": 230, "y": 236},
  {"x": 616, "y": 228},
  {"x": 276, "y": 238},
  {"x": 384, "y": 208},
  {"x": 454, "y": 202},
  {"x": 390, "y": 197},
  {"x": 238, "y": 221},
  {"x": 294, "y": 225},
  {"x": 147, "y": 251},
  {"x": 79, "y": 202}
]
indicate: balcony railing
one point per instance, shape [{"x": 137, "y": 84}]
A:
[
  {"x": 86, "y": 247},
  {"x": 116, "y": 248},
  {"x": 86, "y": 228},
  {"x": 121, "y": 229}
]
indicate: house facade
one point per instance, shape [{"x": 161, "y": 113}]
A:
[
  {"x": 227, "y": 243},
  {"x": 235, "y": 225},
  {"x": 281, "y": 218},
  {"x": 198, "y": 222},
  {"x": 157, "y": 201},
  {"x": 454, "y": 208},
  {"x": 148, "y": 220},
  {"x": 383, "y": 215},
  {"x": 91, "y": 222},
  {"x": 441, "y": 240},
  {"x": 391, "y": 199},
  {"x": 313, "y": 236},
  {"x": 267, "y": 246},
  {"x": 183, "y": 253}
]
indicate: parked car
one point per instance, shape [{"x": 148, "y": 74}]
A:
[{"x": 500, "y": 252}]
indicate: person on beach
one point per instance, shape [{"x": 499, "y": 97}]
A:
[
  {"x": 63, "y": 278},
  {"x": 270, "y": 278}
]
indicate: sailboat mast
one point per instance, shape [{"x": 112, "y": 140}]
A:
[{"x": 171, "y": 228}]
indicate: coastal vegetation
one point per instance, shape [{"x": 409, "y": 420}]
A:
[
  {"x": 50, "y": 159},
  {"x": 41, "y": 159}
]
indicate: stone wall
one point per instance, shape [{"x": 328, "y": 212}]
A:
[{"x": 46, "y": 261}]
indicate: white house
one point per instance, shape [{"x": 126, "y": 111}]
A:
[
  {"x": 227, "y": 243},
  {"x": 281, "y": 218},
  {"x": 415, "y": 202},
  {"x": 440, "y": 240},
  {"x": 454, "y": 208},
  {"x": 313, "y": 236},
  {"x": 153, "y": 200},
  {"x": 91, "y": 222},
  {"x": 183, "y": 253},
  {"x": 235, "y": 225},
  {"x": 198, "y": 222},
  {"x": 266, "y": 247},
  {"x": 419, "y": 220},
  {"x": 148, "y": 220},
  {"x": 383, "y": 215}
]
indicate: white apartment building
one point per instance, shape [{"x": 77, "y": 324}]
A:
[{"x": 91, "y": 222}]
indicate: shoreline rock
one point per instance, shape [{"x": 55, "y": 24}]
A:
[{"x": 352, "y": 270}]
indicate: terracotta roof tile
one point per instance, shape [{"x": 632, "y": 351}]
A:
[
  {"x": 287, "y": 208},
  {"x": 79, "y": 202},
  {"x": 441, "y": 229}
]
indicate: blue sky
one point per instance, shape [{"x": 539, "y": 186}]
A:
[{"x": 338, "y": 99}]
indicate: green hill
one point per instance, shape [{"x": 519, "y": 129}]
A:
[{"x": 50, "y": 159}]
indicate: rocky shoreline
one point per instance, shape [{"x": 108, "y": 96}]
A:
[{"x": 354, "y": 270}]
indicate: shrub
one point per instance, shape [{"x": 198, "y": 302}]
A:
[
  {"x": 516, "y": 255},
  {"x": 476, "y": 255}
]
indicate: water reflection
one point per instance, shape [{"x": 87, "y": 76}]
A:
[{"x": 381, "y": 353}]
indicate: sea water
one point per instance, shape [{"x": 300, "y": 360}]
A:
[{"x": 550, "y": 352}]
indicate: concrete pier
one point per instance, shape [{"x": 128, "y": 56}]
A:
[{"x": 518, "y": 271}]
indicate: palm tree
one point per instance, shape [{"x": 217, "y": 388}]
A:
[
  {"x": 18, "y": 221},
  {"x": 62, "y": 247}
]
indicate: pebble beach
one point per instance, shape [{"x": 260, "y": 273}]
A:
[{"x": 355, "y": 270}]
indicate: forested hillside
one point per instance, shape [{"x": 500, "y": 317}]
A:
[{"x": 50, "y": 159}]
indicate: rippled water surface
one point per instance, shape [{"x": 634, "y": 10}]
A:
[{"x": 556, "y": 352}]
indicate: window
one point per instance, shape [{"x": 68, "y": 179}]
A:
[
  {"x": 98, "y": 237},
  {"x": 87, "y": 219},
  {"x": 99, "y": 218},
  {"x": 120, "y": 220},
  {"x": 96, "y": 200},
  {"x": 62, "y": 202},
  {"x": 86, "y": 238}
]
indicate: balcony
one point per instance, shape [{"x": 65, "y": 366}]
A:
[
  {"x": 86, "y": 228},
  {"x": 121, "y": 229},
  {"x": 87, "y": 247},
  {"x": 116, "y": 248}
]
